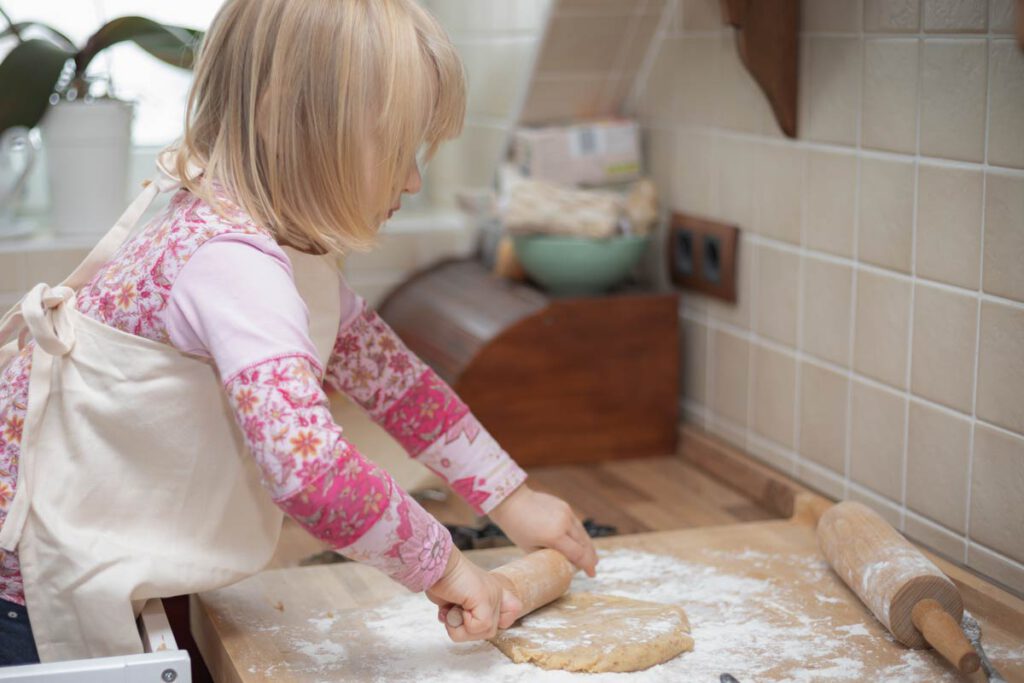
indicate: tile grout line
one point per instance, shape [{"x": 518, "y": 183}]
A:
[{"x": 980, "y": 304}]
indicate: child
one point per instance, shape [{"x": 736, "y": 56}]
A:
[{"x": 122, "y": 474}]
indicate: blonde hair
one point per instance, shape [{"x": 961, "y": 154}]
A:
[{"x": 310, "y": 113}]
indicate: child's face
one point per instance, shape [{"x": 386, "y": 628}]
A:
[{"x": 413, "y": 184}]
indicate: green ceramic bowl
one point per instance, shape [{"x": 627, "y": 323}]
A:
[{"x": 577, "y": 265}]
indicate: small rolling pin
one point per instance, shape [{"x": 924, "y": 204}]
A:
[
  {"x": 906, "y": 591},
  {"x": 536, "y": 579}
]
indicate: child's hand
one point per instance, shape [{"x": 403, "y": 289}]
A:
[
  {"x": 536, "y": 520},
  {"x": 486, "y": 605}
]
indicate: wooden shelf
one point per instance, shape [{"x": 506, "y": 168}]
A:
[{"x": 767, "y": 39}]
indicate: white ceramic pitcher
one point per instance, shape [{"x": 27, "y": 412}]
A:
[{"x": 17, "y": 156}]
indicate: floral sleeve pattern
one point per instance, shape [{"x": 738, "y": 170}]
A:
[
  {"x": 408, "y": 399},
  {"x": 323, "y": 482}
]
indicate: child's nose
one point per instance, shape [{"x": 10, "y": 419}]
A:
[{"x": 413, "y": 183}]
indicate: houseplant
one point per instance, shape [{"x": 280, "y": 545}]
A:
[{"x": 86, "y": 134}]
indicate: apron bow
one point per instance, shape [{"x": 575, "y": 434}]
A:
[{"x": 45, "y": 311}]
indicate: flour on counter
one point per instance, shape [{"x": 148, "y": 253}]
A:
[{"x": 754, "y": 628}]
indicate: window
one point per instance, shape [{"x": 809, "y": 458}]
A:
[{"x": 159, "y": 90}]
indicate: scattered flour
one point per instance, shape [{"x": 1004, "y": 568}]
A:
[{"x": 753, "y": 628}]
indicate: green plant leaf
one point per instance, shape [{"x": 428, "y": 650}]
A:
[
  {"x": 174, "y": 45},
  {"x": 20, "y": 27},
  {"x": 27, "y": 77}
]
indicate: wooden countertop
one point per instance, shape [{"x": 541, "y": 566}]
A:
[
  {"x": 348, "y": 622},
  {"x": 762, "y": 582}
]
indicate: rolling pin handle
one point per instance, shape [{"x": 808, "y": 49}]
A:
[{"x": 945, "y": 635}]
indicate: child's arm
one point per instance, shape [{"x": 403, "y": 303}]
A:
[
  {"x": 239, "y": 307},
  {"x": 408, "y": 399},
  {"x": 404, "y": 396}
]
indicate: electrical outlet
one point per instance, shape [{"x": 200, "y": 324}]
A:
[{"x": 702, "y": 255}]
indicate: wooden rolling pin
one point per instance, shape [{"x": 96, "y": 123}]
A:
[
  {"x": 536, "y": 579},
  {"x": 906, "y": 591}
]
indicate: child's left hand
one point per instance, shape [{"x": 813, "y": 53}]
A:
[{"x": 537, "y": 520}]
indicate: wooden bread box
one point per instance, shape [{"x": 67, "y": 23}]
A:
[{"x": 555, "y": 380}]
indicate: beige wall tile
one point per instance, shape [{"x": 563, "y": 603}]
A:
[
  {"x": 832, "y": 96},
  {"x": 827, "y": 297},
  {"x": 578, "y": 7},
  {"x": 496, "y": 74},
  {"x": 720, "y": 427},
  {"x": 659, "y": 146},
  {"x": 1004, "y": 235},
  {"x": 831, "y": 182},
  {"x": 695, "y": 173},
  {"x": 1005, "y": 133},
  {"x": 730, "y": 367},
  {"x": 697, "y": 80},
  {"x": 997, "y": 479},
  {"x": 771, "y": 455},
  {"x": 778, "y": 274},
  {"x": 774, "y": 388},
  {"x": 832, "y": 16},
  {"x": 736, "y": 194},
  {"x": 461, "y": 16},
  {"x": 950, "y": 545},
  {"x": 889, "y": 117},
  {"x": 822, "y": 480},
  {"x": 639, "y": 43},
  {"x": 579, "y": 43},
  {"x": 470, "y": 161},
  {"x": 741, "y": 102},
  {"x": 876, "y": 439},
  {"x": 701, "y": 15},
  {"x": 695, "y": 358},
  {"x": 657, "y": 97},
  {"x": 1001, "y": 366},
  {"x": 886, "y": 218},
  {"x": 889, "y": 510},
  {"x": 1001, "y": 16},
  {"x": 902, "y": 16},
  {"x": 953, "y": 84},
  {"x": 942, "y": 357},
  {"x": 949, "y": 224},
  {"x": 951, "y": 16},
  {"x": 938, "y": 447},
  {"x": 1004, "y": 571},
  {"x": 556, "y": 99},
  {"x": 779, "y": 187},
  {"x": 881, "y": 328},
  {"x": 823, "y": 401}
]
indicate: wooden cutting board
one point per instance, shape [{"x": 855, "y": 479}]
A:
[{"x": 762, "y": 602}]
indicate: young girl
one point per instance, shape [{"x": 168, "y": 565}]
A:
[{"x": 136, "y": 409}]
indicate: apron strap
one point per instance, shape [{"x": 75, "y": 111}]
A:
[{"x": 14, "y": 322}]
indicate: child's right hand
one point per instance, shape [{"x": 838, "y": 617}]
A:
[{"x": 486, "y": 605}]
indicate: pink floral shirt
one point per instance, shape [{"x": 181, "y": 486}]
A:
[{"x": 222, "y": 288}]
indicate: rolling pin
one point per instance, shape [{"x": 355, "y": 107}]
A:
[
  {"x": 906, "y": 591},
  {"x": 536, "y": 579}
]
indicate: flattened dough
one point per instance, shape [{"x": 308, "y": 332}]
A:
[{"x": 597, "y": 633}]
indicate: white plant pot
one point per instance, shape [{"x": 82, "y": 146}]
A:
[{"x": 88, "y": 148}]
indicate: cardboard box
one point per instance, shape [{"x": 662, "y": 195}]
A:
[{"x": 596, "y": 153}]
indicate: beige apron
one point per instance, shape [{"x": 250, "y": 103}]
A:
[{"x": 134, "y": 480}]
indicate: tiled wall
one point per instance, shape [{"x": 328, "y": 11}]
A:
[
  {"x": 877, "y": 350},
  {"x": 583, "y": 56},
  {"x": 589, "y": 59},
  {"x": 498, "y": 41}
]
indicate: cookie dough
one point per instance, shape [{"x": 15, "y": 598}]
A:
[{"x": 598, "y": 633}]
